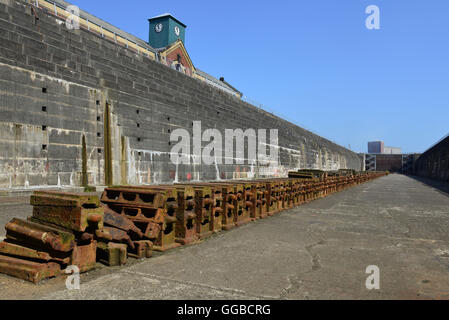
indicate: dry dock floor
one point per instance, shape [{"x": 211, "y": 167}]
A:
[{"x": 317, "y": 251}]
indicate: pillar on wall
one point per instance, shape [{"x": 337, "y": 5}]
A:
[
  {"x": 85, "y": 178},
  {"x": 124, "y": 161},
  {"x": 107, "y": 146}
]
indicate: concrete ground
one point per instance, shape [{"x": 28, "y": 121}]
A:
[{"x": 317, "y": 251}]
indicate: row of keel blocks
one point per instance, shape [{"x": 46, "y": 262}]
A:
[{"x": 206, "y": 208}]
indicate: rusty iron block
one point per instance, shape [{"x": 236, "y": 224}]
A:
[
  {"x": 141, "y": 197},
  {"x": 271, "y": 196},
  {"x": 112, "y": 254},
  {"x": 281, "y": 195},
  {"x": 119, "y": 221},
  {"x": 136, "y": 213},
  {"x": 185, "y": 232},
  {"x": 22, "y": 232},
  {"x": 228, "y": 217},
  {"x": 204, "y": 204},
  {"x": 73, "y": 218},
  {"x": 169, "y": 194},
  {"x": 216, "y": 225},
  {"x": 295, "y": 193},
  {"x": 28, "y": 270},
  {"x": 250, "y": 196},
  {"x": 245, "y": 204},
  {"x": 234, "y": 206},
  {"x": 229, "y": 205},
  {"x": 84, "y": 256},
  {"x": 261, "y": 200},
  {"x": 159, "y": 225},
  {"x": 143, "y": 249},
  {"x": 18, "y": 251},
  {"x": 150, "y": 230},
  {"x": 275, "y": 198},
  {"x": 203, "y": 228},
  {"x": 166, "y": 238},
  {"x": 217, "y": 190},
  {"x": 148, "y": 221},
  {"x": 65, "y": 199},
  {"x": 217, "y": 211},
  {"x": 286, "y": 194},
  {"x": 186, "y": 228},
  {"x": 80, "y": 237},
  {"x": 209, "y": 207}
]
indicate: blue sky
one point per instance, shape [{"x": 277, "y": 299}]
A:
[{"x": 316, "y": 64}]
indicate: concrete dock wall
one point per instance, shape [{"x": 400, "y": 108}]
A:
[
  {"x": 71, "y": 96},
  {"x": 434, "y": 163}
]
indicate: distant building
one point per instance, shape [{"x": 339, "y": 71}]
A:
[
  {"x": 376, "y": 147},
  {"x": 392, "y": 150},
  {"x": 383, "y": 158}
]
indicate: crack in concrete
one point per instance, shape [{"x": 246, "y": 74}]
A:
[
  {"x": 315, "y": 258},
  {"x": 295, "y": 282},
  {"x": 189, "y": 283}
]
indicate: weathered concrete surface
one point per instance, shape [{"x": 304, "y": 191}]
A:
[
  {"x": 317, "y": 251},
  {"x": 70, "y": 96},
  {"x": 434, "y": 163}
]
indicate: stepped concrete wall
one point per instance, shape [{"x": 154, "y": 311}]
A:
[
  {"x": 77, "y": 109},
  {"x": 434, "y": 163}
]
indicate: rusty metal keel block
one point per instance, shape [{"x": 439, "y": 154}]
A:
[
  {"x": 143, "y": 249},
  {"x": 28, "y": 270},
  {"x": 230, "y": 205},
  {"x": 216, "y": 224},
  {"x": 116, "y": 220},
  {"x": 186, "y": 217},
  {"x": 73, "y": 218},
  {"x": 22, "y": 231},
  {"x": 138, "y": 196},
  {"x": 204, "y": 204},
  {"x": 11, "y": 249},
  {"x": 84, "y": 257},
  {"x": 114, "y": 234},
  {"x": 166, "y": 238},
  {"x": 74, "y": 211},
  {"x": 112, "y": 254},
  {"x": 65, "y": 199}
]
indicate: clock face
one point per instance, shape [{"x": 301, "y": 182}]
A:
[
  {"x": 177, "y": 31},
  {"x": 158, "y": 28}
]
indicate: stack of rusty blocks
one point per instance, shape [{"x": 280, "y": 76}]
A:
[
  {"x": 69, "y": 229},
  {"x": 60, "y": 233},
  {"x": 140, "y": 218}
]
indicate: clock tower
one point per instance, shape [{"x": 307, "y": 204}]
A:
[{"x": 164, "y": 30}]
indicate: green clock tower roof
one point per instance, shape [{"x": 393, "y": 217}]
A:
[
  {"x": 165, "y": 30},
  {"x": 165, "y": 15}
]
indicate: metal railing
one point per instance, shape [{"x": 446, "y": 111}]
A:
[{"x": 90, "y": 23}]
